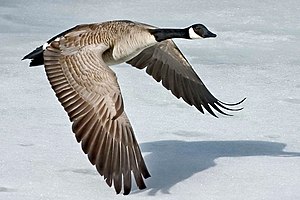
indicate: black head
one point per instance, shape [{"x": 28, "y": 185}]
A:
[{"x": 200, "y": 31}]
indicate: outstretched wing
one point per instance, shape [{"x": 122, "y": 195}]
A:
[
  {"x": 88, "y": 90},
  {"x": 164, "y": 62}
]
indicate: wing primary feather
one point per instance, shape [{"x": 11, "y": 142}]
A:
[
  {"x": 226, "y": 108},
  {"x": 126, "y": 170},
  {"x": 108, "y": 163},
  {"x": 75, "y": 106},
  {"x": 67, "y": 96},
  {"x": 89, "y": 137},
  {"x": 205, "y": 103},
  {"x": 165, "y": 77},
  {"x": 219, "y": 110},
  {"x": 207, "y": 107},
  {"x": 90, "y": 144},
  {"x": 137, "y": 175},
  {"x": 94, "y": 144},
  {"x": 141, "y": 162},
  {"x": 75, "y": 114},
  {"x": 156, "y": 72},
  {"x": 184, "y": 91},
  {"x": 117, "y": 176},
  {"x": 60, "y": 87},
  {"x": 172, "y": 83},
  {"x": 65, "y": 92},
  {"x": 101, "y": 156},
  {"x": 57, "y": 82},
  {"x": 234, "y": 104},
  {"x": 80, "y": 126}
]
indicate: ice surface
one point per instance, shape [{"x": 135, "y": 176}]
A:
[{"x": 253, "y": 155}]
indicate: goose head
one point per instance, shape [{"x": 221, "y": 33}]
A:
[{"x": 197, "y": 31}]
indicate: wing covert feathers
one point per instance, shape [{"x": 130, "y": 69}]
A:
[{"x": 89, "y": 92}]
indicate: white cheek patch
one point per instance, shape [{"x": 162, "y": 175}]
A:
[{"x": 192, "y": 34}]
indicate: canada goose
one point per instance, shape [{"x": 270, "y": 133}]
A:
[{"x": 77, "y": 66}]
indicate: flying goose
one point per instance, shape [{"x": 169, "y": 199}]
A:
[{"x": 77, "y": 66}]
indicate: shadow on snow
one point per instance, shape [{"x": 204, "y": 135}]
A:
[{"x": 171, "y": 162}]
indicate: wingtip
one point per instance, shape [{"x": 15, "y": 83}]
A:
[
  {"x": 126, "y": 191},
  {"x": 227, "y": 106},
  {"x": 233, "y": 104}
]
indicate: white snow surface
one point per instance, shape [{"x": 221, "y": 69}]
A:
[{"x": 253, "y": 155}]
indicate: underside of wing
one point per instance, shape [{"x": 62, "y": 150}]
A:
[
  {"x": 164, "y": 62},
  {"x": 89, "y": 92}
]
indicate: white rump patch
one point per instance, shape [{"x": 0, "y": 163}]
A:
[
  {"x": 45, "y": 45},
  {"x": 192, "y": 34}
]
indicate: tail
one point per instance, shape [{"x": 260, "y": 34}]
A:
[{"x": 36, "y": 57}]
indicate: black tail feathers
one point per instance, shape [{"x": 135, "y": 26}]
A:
[{"x": 36, "y": 57}]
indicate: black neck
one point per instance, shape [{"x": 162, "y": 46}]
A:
[{"x": 163, "y": 34}]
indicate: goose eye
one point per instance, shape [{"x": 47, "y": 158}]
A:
[{"x": 199, "y": 30}]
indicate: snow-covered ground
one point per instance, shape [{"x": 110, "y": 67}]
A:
[{"x": 251, "y": 156}]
